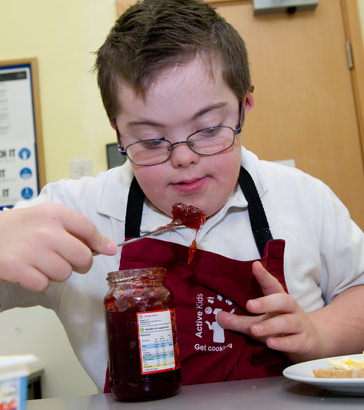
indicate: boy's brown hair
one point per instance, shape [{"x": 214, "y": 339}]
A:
[{"x": 153, "y": 35}]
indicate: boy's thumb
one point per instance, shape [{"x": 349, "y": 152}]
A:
[{"x": 105, "y": 246}]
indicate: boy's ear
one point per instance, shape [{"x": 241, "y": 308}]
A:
[
  {"x": 113, "y": 125},
  {"x": 248, "y": 102}
]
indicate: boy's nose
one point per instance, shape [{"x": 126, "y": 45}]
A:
[{"x": 183, "y": 156}]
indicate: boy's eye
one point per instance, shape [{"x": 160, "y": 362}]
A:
[
  {"x": 153, "y": 144},
  {"x": 209, "y": 132}
]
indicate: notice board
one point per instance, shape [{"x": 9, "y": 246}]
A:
[{"x": 21, "y": 147}]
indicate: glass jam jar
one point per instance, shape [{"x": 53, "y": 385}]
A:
[{"x": 143, "y": 351}]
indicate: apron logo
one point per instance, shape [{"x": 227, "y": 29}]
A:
[
  {"x": 218, "y": 331},
  {"x": 199, "y": 305},
  {"x": 210, "y": 323}
]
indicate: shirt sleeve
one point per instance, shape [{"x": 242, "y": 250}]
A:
[
  {"x": 12, "y": 295},
  {"x": 341, "y": 248}
]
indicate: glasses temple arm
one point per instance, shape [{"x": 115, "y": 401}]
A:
[
  {"x": 241, "y": 119},
  {"x": 121, "y": 148}
]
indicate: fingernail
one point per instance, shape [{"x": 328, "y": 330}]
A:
[
  {"x": 111, "y": 246},
  {"x": 257, "y": 329},
  {"x": 252, "y": 305}
]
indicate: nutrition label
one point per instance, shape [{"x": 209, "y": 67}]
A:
[{"x": 156, "y": 344}]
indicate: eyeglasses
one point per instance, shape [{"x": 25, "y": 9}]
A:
[{"x": 206, "y": 142}]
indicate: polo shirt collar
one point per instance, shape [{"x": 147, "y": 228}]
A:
[{"x": 112, "y": 195}]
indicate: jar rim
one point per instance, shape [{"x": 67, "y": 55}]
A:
[{"x": 125, "y": 275}]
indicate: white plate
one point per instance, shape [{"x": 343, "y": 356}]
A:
[{"x": 302, "y": 372}]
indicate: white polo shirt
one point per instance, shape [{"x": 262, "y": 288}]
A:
[{"x": 324, "y": 252}]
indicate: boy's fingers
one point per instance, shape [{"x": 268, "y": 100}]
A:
[
  {"x": 79, "y": 254},
  {"x": 104, "y": 245},
  {"x": 278, "y": 324},
  {"x": 30, "y": 278},
  {"x": 46, "y": 243},
  {"x": 85, "y": 230},
  {"x": 236, "y": 322},
  {"x": 276, "y": 303},
  {"x": 268, "y": 283},
  {"x": 287, "y": 343}
]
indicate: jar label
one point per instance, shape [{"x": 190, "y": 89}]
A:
[{"x": 157, "y": 341}]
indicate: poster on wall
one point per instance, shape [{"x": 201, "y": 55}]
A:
[{"x": 21, "y": 153}]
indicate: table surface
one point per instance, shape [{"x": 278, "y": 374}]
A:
[{"x": 276, "y": 393}]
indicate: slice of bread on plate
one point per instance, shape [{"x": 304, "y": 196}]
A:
[
  {"x": 338, "y": 373},
  {"x": 346, "y": 367}
]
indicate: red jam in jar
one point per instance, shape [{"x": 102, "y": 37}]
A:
[{"x": 143, "y": 351}]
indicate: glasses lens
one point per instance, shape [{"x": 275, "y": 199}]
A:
[
  {"x": 212, "y": 140},
  {"x": 148, "y": 152}
]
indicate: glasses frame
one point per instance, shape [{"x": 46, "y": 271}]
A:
[{"x": 236, "y": 131}]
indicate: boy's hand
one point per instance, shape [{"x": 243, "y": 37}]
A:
[
  {"x": 46, "y": 243},
  {"x": 281, "y": 323}
]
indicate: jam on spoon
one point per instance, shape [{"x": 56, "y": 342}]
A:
[
  {"x": 191, "y": 217},
  {"x": 182, "y": 214},
  {"x": 188, "y": 215}
]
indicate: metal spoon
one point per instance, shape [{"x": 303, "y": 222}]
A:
[
  {"x": 158, "y": 230},
  {"x": 169, "y": 227}
]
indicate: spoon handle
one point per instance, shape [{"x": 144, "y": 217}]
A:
[
  {"x": 158, "y": 230},
  {"x": 143, "y": 236}
]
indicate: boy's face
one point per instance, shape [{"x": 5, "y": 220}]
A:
[{"x": 180, "y": 101}]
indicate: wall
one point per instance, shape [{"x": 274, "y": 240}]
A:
[
  {"x": 62, "y": 35},
  {"x": 361, "y": 16}
]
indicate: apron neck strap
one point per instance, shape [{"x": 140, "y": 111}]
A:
[
  {"x": 134, "y": 210},
  {"x": 258, "y": 219}
]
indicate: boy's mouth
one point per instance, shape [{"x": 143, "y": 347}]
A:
[{"x": 190, "y": 186}]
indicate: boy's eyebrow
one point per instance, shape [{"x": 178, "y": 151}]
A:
[
  {"x": 144, "y": 122},
  {"x": 194, "y": 117},
  {"x": 208, "y": 109}
]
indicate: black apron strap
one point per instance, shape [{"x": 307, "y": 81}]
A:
[
  {"x": 134, "y": 210},
  {"x": 258, "y": 220}
]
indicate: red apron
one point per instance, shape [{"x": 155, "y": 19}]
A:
[{"x": 209, "y": 284}]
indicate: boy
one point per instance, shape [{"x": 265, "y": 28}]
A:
[{"x": 175, "y": 83}]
